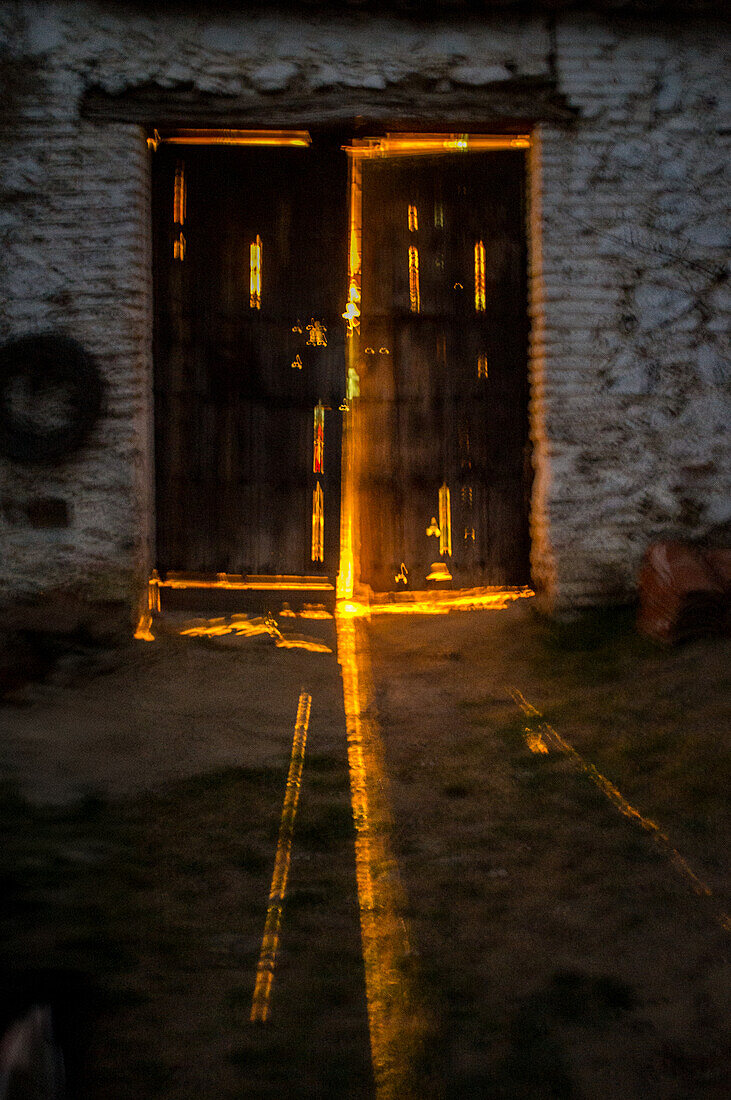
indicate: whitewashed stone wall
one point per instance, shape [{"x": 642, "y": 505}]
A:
[
  {"x": 627, "y": 237},
  {"x": 637, "y": 383}
]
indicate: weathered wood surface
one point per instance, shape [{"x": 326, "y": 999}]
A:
[
  {"x": 233, "y": 419},
  {"x": 429, "y": 417}
]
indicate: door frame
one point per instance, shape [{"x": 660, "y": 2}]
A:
[
  {"x": 386, "y": 146},
  {"x": 390, "y": 144}
]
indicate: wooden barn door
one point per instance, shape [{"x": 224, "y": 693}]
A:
[
  {"x": 250, "y": 250},
  {"x": 445, "y": 464}
]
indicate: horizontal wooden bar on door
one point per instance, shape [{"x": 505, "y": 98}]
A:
[
  {"x": 242, "y": 581},
  {"x": 414, "y": 144},
  {"x": 296, "y": 138}
]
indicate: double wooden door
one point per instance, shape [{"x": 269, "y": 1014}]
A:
[
  {"x": 250, "y": 249},
  {"x": 251, "y": 261}
]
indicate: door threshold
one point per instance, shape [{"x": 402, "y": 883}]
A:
[
  {"x": 207, "y": 593},
  {"x": 442, "y": 600}
]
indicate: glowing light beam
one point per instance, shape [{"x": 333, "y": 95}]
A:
[
  {"x": 260, "y": 1006},
  {"x": 396, "y": 1019},
  {"x": 318, "y": 524},
  {"x": 255, "y": 273},
  {"x": 620, "y": 802},
  {"x": 445, "y": 521},
  {"x": 479, "y": 276},
  {"x": 318, "y": 446},
  {"x": 414, "y": 292}
]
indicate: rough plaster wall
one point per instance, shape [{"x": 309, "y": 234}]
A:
[
  {"x": 635, "y": 242},
  {"x": 628, "y": 364},
  {"x": 74, "y": 209}
]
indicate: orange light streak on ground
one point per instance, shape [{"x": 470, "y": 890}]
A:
[
  {"x": 238, "y": 625},
  {"x": 617, "y": 799},
  {"x": 242, "y": 627},
  {"x": 479, "y": 276},
  {"x": 396, "y": 1020},
  {"x": 255, "y": 273},
  {"x": 306, "y": 613},
  {"x": 260, "y": 1006},
  {"x": 441, "y": 603},
  {"x": 413, "y": 218},
  {"x": 482, "y": 367},
  {"x": 535, "y": 742},
  {"x": 292, "y": 642},
  {"x": 414, "y": 292},
  {"x": 232, "y": 137}
]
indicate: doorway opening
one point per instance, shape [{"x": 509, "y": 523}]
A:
[{"x": 340, "y": 354}]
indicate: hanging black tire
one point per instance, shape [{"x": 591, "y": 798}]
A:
[{"x": 51, "y": 395}]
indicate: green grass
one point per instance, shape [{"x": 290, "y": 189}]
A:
[{"x": 157, "y": 903}]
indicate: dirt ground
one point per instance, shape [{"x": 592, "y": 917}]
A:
[{"x": 559, "y": 950}]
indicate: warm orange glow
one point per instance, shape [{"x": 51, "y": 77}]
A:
[
  {"x": 440, "y": 602},
  {"x": 317, "y": 332},
  {"x": 396, "y": 1019},
  {"x": 414, "y": 293},
  {"x": 260, "y": 1006},
  {"x": 535, "y": 742},
  {"x": 255, "y": 273},
  {"x": 348, "y": 518},
  {"x": 143, "y": 633},
  {"x": 548, "y": 734},
  {"x": 402, "y": 577},
  {"x": 479, "y": 276},
  {"x": 179, "y": 245},
  {"x": 439, "y": 572},
  {"x": 482, "y": 366},
  {"x": 415, "y": 144},
  {"x": 238, "y": 625},
  {"x": 318, "y": 524},
  {"x": 296, "y": 363},
  {"x": 237, "y": 581},
  {"x": 445, "y": 521},
  {"x": 413, "y": 218},
  {"x": 318, "y": 446},
  {"x": 352, "y": 309},
  {"x": 179, "y": 194},
  {"x": 306, "y": 613},
  {"x": 291, "y": 641},
  {"x": 233, "y": 137},
  {"x": 241, "y": 626}
]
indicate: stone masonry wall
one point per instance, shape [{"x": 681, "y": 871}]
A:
[{"x": 629, "y": 365}]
